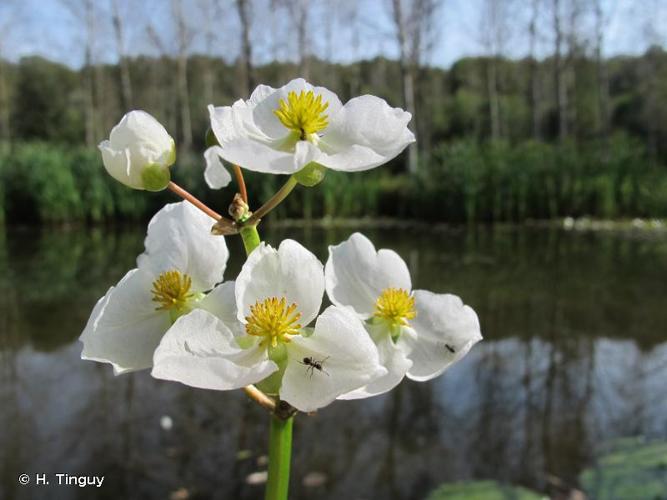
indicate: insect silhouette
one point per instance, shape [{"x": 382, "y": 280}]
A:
[
  {"x": 450, "y": 348},
  {"x": 314, "y": 364}
]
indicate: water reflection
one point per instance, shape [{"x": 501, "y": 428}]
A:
[{"x": 575, "y": 354}]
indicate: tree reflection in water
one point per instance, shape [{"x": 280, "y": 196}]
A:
[{"x": 574, "y": 355}]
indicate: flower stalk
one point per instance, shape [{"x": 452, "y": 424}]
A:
[
  {"x": 175, "y": 188},
  {"x": 260, "y": 398},
  {"x": 280, "y": 454},
  {"x": 280, "y": 431},
  {"x": 250, "y": 238},
  {"x": 274, "y": 201},
  {"x": 241, "y": 183}
]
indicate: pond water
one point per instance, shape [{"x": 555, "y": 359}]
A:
[{"x": 574, "y": 357}]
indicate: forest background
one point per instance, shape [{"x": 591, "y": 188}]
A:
[{"x": 547, "y": 115}]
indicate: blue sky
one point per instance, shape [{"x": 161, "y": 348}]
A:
[{"x": 50, "y": 29}]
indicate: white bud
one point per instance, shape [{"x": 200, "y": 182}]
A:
[{"x": 139, "y": 152}]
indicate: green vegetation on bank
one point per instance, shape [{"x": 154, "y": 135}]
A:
[
  {"x": 502, "y": 152},
  {"x": 461, "y": 181}
]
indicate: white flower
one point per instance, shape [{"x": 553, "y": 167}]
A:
[
  {"x": 182, "y": 261},
  {"x": 256, "y": 331},
  {"x": 417, "y": 333},
  {"x": 139, "y": 152},
  {"x": 216, "y": 175},
  {"x": 281, "y": 131}
]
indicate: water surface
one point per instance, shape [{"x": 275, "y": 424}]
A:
[{"x": 574, "y": 357}]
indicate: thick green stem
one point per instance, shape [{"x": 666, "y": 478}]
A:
[
  {"x": 250, "y": 238},
  {"x": 280, "y": 455},
  {"x": 280, "y": 434}
]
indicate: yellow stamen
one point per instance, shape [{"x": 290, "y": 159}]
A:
[
  {"x": 303, "y": 113},
  {"x": 396, "y": 306},
  {"x": 171, "y": 290},
  {"x": 274, "y": 320}
]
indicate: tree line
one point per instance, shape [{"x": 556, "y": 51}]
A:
[
  {"x": 45, "y": 101},
  {"x": 487, "y": 124}
]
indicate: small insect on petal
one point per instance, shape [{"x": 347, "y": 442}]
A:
[{"x": 313, "y": 364}]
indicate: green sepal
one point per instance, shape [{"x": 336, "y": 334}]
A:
[
  {"x": 271, "y": 384},
  {"x": 155, "y": 177},
  {"x": 311, "y": 175},
  {"x": 307, "y": 331},
  {"x": 171, "y": 159}
]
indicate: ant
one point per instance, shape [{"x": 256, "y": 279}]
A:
[
  {"x": 314, "y": 364},
  {"x": 450, "y": 348}
]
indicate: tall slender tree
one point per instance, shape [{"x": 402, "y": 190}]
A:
[
  {"x": 123, "y": 62},
  {"x": 535, "y": 87},
  {"x": 184, "y": 39},
  {"x": 246, "y": 78}
]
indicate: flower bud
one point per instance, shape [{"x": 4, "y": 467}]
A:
[
  {"x": 239, "y": 209},
  {"x": 139, "y": 152}
]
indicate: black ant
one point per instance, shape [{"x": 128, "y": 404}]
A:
[
  {"x": 450, "y": 348},
  {"x": 314, "y": 364}
]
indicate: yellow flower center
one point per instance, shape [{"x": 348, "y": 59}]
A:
[
  {"x": 171, "y": 290},
  {"x": 303, "y": 113},
  {"x": 396, "y": 306},
  {"x": 274, "y": 320}
]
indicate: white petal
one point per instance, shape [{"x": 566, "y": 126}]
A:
[
  {"x": 365, "y": 133},
  {"x": 216, "y": 175},
  {"x": 145, "y": 138},
  {"x": 117, "y": 163},
  {"x": 443, "y": 324},
  {"x": 351, "y": 158},
  {"x": 259, "y": 156},
  {"x": 291, "y": 271},
  {"x": 347, "y": 355},
  {"x": 125, "y": 328},
  {"x": 200, "y": 351},
  {"x": 259, "y": 94},
  {"x": 356, "y": 274},
  {"x": 264, "y": 111},
  {"x": 179, "y": 238},
  {"x": 234, "y": 122},
  {"x": 221, "y": 302},
  {"x": 393, "y": 357},
  {"x": 251, "y": 135}
]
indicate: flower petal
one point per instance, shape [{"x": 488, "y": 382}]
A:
[
  {"x": 264, "y": 111},
  {"x": 347, "y": 356},
  {"x": 445, "y": 330},
  {"x": 216, "y": 175},
  {"x": 394, "y": 358},
  {"x": 179, "y": 238},
  {"x": 356, "y": 274},
  {"x": 125, "y": 328},
  {"x": 291, "y": 271},
  {"x": 259, "y": 156},
  {"x": 221, "y": 302},
  {"x": 260, "y": 93},
  {"x": 251, "y": 135},
  {"x": 144, "y": 137},
  {"x": 200, "y": 351},
  {"x": 365, "y": 133},
  {"x": 117, "y": 163}
]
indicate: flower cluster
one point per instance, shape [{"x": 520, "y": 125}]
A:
[{"x": 174, "y": 313}]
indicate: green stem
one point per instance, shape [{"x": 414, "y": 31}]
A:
[
  {"x": 280, "y": 453},
  {"x": 274, "y": 201},
  {"x": 250, "y": 238},
  {"x": 280, "y": 434}
]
